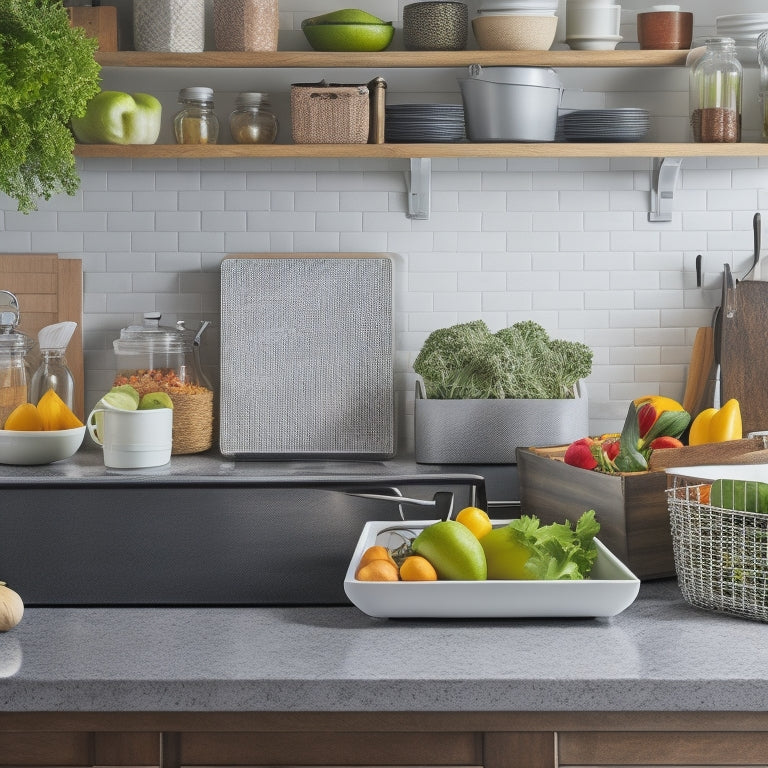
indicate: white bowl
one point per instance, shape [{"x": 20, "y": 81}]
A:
[{"x": 43, "y": 447}]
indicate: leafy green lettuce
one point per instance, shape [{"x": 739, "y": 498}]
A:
[
  {"x": 47, "y": 75},
  {"x": 558, "y": 551}
]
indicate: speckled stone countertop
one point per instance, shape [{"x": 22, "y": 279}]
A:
[{"x": 658, "y": 655}]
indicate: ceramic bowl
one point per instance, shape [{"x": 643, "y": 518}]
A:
[
  {"x": 39, "y": 447},
  {"x": 515, "y": 33},
  {"x": 345, "y": 36}
]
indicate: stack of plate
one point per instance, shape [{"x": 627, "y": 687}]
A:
[
  {"x": 744, "y": 28},
  {"x": 424, "y": 123},
  {"x": 627, "y": 124}
]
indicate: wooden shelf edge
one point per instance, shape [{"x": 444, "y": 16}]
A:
[
  {"x": 498, "y": 150},
  {"x": 393, "y": 59}
]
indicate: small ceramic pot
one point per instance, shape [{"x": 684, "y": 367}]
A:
[
  {"x": 435, "y": 26},
  {"x": 665, "y": 30}
]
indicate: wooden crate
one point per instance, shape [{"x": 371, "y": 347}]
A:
[
  {"x": 631, "y": 508},
  {"x": 99, "y": 22}
]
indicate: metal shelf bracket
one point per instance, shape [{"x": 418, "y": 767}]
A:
[
  {"x": 663, "y": 182},
  {"x": 418, "y": 182}
]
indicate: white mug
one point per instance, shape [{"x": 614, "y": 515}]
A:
[{"x": 133, "y": 439}]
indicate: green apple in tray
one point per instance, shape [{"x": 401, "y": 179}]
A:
[
  {"x": 114, "y": 117},
  {"x": 348, "y": 30}
]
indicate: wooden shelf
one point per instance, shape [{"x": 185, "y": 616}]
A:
[
  {"x": 390, "y": 59},
  {"x": 500, "y": 150}
]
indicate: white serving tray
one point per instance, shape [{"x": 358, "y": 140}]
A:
[{"x": 611, "y": 588}]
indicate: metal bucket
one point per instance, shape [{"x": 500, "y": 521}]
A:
[{"x": 511, "y": 103}]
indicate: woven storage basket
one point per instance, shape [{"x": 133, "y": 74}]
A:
[
  {"x": 329, "y": 114},
  {"x": 721, "y": 556}
]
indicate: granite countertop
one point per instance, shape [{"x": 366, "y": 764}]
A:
[{"x": 660, "y": 654}]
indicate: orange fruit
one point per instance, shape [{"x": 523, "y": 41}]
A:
[
  {"x": 375, "y": 552},
  {"x": 378, "y": 570},
  {"x": 24, "y": 418},
  {"x": 55, "y": 413},
  {"x": 476, "y": 520},
  {"x": 417, "y": 568}
]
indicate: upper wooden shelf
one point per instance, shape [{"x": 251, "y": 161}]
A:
[
  {"x": 391, "y": 59},
  {"x": 463, "y": 149}
]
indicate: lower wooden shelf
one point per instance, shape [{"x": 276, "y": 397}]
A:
[{"x": 458, "y": 150}]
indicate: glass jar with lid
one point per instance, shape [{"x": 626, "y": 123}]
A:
[
  {"x": 715, "y": 89},
  {"x": 155, "y": 358},
  {"x": 14, "y": 346},
  {"x": 252, "y": 121},
  {"x": 196, "y": 122}
]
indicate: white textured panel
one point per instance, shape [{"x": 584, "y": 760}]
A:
[{"x": 307, "y": 357}]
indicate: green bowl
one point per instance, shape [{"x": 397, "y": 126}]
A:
[{"x": 346, "y": 36}]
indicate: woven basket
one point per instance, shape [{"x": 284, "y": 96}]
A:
[
  {"x": 329, "y": 114},
  {"x": 721, "y": 556}
]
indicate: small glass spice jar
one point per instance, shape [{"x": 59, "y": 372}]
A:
[
  {"x": 252, "y": 121},
  {"x": 196, "y": 122},
  {"x": 715, "y": 82}
]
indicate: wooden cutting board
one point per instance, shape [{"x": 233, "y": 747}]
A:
[
  {"x": 744, "y": 354},
  {"x": 49, "y": 290}
]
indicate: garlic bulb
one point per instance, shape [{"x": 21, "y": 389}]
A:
[{"x": 11, "y": 608}]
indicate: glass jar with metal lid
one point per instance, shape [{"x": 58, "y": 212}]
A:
[
  {"x": 252, "y": 121},
  {"x": 155, "y": 358},
  {"x": 196, "y": 122},
  {"x": 14, "y": 346}
]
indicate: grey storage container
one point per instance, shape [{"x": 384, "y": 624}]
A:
[{"x": 511, "y": 103}]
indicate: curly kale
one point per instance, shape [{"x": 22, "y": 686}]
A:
[
  {"x": 467, "y": 361},
  {"x": 47, "y": 75}
]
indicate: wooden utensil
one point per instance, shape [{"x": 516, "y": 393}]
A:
[
  {"x": 702, "y": 359},
  {"x": 744, "y": 354}
]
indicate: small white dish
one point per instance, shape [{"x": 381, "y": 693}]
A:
[
  {"x": 607, "y": 43},
  {"x": 43, "y": 447},
  {"x": 611, "y": 588}
]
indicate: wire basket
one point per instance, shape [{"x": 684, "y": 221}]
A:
[{"x": 721, "y": 555}]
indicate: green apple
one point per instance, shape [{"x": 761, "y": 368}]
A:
[
  {"x": 153, "y": 400},
  {"x": 114, "y": 117}
]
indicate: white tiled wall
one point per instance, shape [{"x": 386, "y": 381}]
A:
[{"x": 566, "y": 243}]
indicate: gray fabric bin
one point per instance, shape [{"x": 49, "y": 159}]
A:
[{"x": 490, "y": 431}]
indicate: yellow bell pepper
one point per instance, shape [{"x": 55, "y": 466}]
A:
[
  {"x": 659, "y": 402},
  {"x": 717, "y": 426}
]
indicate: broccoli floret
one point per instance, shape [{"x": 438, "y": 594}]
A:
[
  {"x": 467, "y": 361},
  {"x": 445, "y": 352}
]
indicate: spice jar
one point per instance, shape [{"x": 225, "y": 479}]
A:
[
  {"x": 155, "y": 358},
  {"x": 252, "y": 121},
  {"x": 715, "y": 83},
  {"x": 14, "y": 345},
  {"x": 196, "y": 122}
]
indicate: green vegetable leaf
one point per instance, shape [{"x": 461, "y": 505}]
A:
[
  {"x": 629, "y": 458},
  {"x": 558, "y": 550},
  {"x": 47, "y": 75}
]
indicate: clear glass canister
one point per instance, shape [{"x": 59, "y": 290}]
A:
[
  {"x": 53, "y": 373},
  {"x": 715, "y": 82},
  {"x": 252, "y": 121},
  {"x": 155, "y": 358},
  {"x": 196, "y": 122},
  {"x": 762, "y": 58},
  {"x": 14, "y": 346}
]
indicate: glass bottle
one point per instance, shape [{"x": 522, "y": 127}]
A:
[
  {"x": 53, "y": 373},
  {"x": 196, "y": 122},
  {"x": 14, "y": 346},
  {"x": 252, "y": 121},
  {"x": 716, "y": 92}
]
